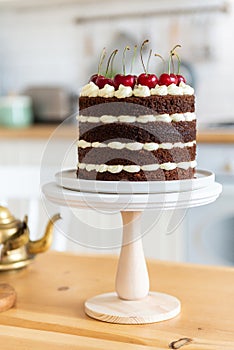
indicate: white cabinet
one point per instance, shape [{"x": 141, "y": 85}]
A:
[
  {"x": 210, "y": 229},
  {"x": 202, "y": 235},
  {"x": 25, "y": 164},
  {"x": 217, "y": 157}
]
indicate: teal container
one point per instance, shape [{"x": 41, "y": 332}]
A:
[{"x": 16, "y": 111}]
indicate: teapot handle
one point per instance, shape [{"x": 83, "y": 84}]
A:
[{"x": 16, "y": 241}]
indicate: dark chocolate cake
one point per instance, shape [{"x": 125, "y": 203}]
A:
[{"x": 137, "y": 133}]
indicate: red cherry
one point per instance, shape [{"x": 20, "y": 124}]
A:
[
  {"x": 164, "y": 79},
  {"x": 174, "y": 79},
  {"x": 149, "y": 80},
  {"x": 101, "y": 81},
  {"x": 93, "y": 78},
  {"x": 126, "y": 80},
  {"x": 180, "y": 79}
]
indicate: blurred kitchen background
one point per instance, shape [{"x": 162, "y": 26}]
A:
[{"x": 49, "y": 49}]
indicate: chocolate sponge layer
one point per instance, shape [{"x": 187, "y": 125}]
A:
[
  {"x": 170, "y": 104},
  {"x": 150, "y": 132},
  {"x": 142, "y": 157},
  {"x": 158, "y": 175}
]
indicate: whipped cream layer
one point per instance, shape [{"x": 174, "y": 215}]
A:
[
  {"x": 92, "y": 90},
  {"x": 135, "y": 146},
  {"x": 168, "y": 118},
  {"x": 114, "y": 169}
]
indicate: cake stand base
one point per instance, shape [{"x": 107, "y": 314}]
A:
[
  {"x": 132, "y": 302},
  {"x": 155, "y": 307}
]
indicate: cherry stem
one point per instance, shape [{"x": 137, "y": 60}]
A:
[
  {"x": 169, "y": 65},
  {"x": 142, "y": 61},
  {"x": 179, "y": 62},
  {"x": 147, "y": 65},
  {"x": 173, "y": 53},
  {"x": 157, "y": 55},
  {"x": 112, "y": 61},
  {"x": 172, "y": 63},
  {"x": 109, "y": 60},
  {"x": 133, "y": 57},
  {"x": 175, "y": 47},
  {"x": 102, "y": 57},
  {"x": 124, "y": 59}
]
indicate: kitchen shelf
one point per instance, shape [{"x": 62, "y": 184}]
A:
[
  {"x": 110, "y": 9},
  {"x": 44, "y": 131},
  {"x": 39, "y": 131},
  {"x": 215, "y": 136}
]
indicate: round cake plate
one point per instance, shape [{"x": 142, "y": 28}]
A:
[
  {"x": 68, "y": 179},
  {"x": 133, "y": 303},
  {"x": 131, "y": 202}
]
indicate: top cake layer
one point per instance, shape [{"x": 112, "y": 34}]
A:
[
  {"x": 136, "y": 105},
  {"x": 139, "y": 101}
]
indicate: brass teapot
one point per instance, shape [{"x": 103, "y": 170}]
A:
[{"x": 16, "y": 248}]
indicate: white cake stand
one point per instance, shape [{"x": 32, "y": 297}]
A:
[{"x": 132, "y": 303}]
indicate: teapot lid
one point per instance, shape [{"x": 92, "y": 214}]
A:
[
  {"x": 5, "y": 216},
  {"x": 7, "y": 220}
]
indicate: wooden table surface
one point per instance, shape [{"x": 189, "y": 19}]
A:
[{"x": 49, "y": 312}]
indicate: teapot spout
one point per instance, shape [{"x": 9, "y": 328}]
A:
[{"x": 43, "y": 244}]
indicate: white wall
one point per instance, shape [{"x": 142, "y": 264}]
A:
[{"x": 46, "y": 46}]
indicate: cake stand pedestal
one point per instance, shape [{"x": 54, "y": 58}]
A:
[{"x": 132, "y": 303}]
